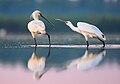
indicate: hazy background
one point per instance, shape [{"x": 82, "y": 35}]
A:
[
  {"x": 14, "y": 14},
  {"x": 16, "y": 41}
]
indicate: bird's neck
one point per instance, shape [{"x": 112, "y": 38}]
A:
[
  {"x": 73, "y": 27},
  {"x": 35, "y": 17}
]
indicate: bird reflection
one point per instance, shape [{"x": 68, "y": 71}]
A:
[
  {"x": 87, "y": 61},
  {"x": 36, "y": 64}
]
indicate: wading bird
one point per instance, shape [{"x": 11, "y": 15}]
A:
[
  {"x": 87, "y": 30},
  {"x": 37, "y": 26}
]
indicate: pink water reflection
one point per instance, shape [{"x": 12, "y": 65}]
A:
[{"x": 107, "y": 74}]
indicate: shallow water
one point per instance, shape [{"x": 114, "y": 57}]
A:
[{"x": 21, "y": 63}]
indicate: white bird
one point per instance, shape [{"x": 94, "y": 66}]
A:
[
  {"x": 37, "y": 26},
  {"x": 87, "y": 30},
  {"x": 88, "y": 60}
]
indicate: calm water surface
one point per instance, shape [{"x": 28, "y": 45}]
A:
[{"x": 27, "y": 65}]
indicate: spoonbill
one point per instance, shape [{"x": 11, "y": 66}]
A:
[
  {"x": 37, "y": 26},
  {"x": 87, "y": 30}
]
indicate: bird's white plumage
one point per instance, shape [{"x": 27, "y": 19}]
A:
[
  {"x": 36, "y": 27},
  {"x": 87, "y": 30},
  {"x": 85, "y": 27}
]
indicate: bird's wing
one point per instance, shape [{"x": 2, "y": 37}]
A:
[
  {"x": 41, "y": 25},
  {"x": 36, "y": 25},
  {"x": 89, "y": 28}
]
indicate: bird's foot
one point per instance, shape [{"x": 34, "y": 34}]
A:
[
  {"x": 35, "y": 45},
  {"x": 87, "y": 47},
  {"x": 103, "y": 46},
  {"x": 87, "y": 44}
]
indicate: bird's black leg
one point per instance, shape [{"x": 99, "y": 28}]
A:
[
  {"x": 49, "y": 51},
  {"x": 87, "y": 44},
  {"x": 86, "y": 38},
  {"x": 48, "y": 39},
  {"x": 49, "y": 45},
  {"x": 102, "y": 42},
  {"x": 35, "y": 42}
]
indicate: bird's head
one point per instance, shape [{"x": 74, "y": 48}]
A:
[
  {"x": 65, "y": 21},
  {"x": 35, "y": 15}
]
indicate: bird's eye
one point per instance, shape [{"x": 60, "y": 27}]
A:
[{"x": 66, "y": 22}]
